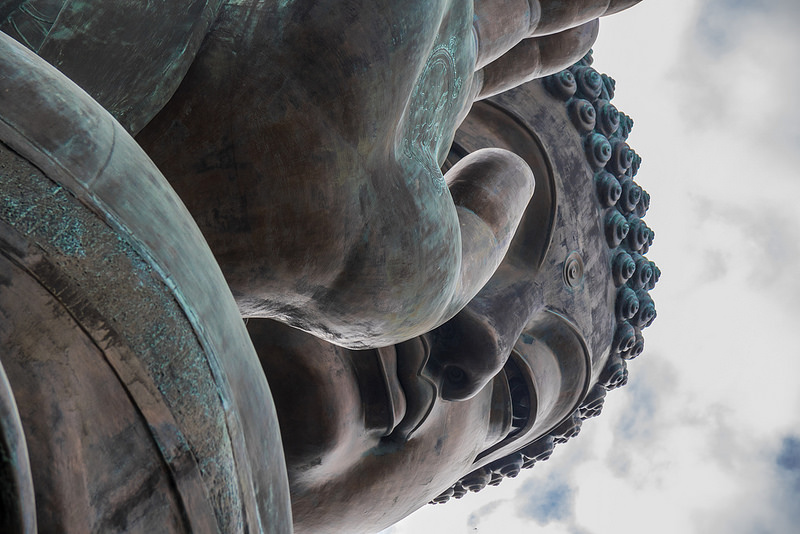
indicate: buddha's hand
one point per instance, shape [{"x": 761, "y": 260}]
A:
[
  {"x": 482, "y": 48},
  {"x": 307, "y": 142}
]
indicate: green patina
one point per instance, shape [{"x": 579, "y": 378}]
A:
[
  {"x": 432, "y": 107},
  {"x": 68, "y": 235},
  {"x": 123, "y": 287}
]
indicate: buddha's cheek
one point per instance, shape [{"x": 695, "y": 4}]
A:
[
  {"x": 316, "y": 395},
  {"x": 317, "y": 429}
]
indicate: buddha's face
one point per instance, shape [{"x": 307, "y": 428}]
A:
[
  {"x": 370, "y": 436},
  {"x": 345, "y": 417}
]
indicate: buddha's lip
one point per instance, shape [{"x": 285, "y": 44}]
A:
[{"x": 418, "y": 391}]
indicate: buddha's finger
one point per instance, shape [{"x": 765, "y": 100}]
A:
[
  {"x": 491, "y": 188},
  {"x": 501, "y": 24},
  {"x": 557, "y": 15},
  {"x": 536, "y": 57}
]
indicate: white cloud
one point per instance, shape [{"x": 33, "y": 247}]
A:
[
  {"x": 549, "y": 500},
  {"x": 765, "y": 504}
]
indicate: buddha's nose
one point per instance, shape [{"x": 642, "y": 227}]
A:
[{"x": 472, "y": 347}]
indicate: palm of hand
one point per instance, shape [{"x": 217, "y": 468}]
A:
[{"x": 349, "y": 113}]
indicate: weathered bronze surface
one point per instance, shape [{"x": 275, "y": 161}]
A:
[
  {"x": 441, "y": 275},
  {"x": 85, "y": 213}
]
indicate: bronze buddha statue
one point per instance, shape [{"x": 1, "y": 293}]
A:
[
  {"x": 438, "y": 284},
  {"x": 517, "y": 370}
]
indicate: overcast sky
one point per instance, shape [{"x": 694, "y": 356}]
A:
[{"x": 705, "y": 437}]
